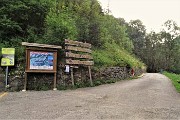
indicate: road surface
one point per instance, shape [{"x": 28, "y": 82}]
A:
[{"x": 150, "y": 97}]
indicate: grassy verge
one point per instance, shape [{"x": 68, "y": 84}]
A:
[{"x": 175, "y": 79}]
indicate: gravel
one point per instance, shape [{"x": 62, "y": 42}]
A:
[{"x": 150, "y": 97}]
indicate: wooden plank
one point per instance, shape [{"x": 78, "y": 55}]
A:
[
  {"x": 72, "y": 77},
  {"x": 78, "y": 62},
  {"x": 77, "y": 43},
  {"x": 41, "y": 45},
  {"x": 25, "y": 82},
  {"x": 90, "y": 76},
  {"x": 72, "y": 55},
  {"x": 55, "y": 81},
  {"x": 40, "y": 71},
  {"x": 78, "y": 49}
]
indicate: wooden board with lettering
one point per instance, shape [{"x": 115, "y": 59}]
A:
[
  {"x": 78, "y": 62},
  {"x": 77, "y": 43},
  {"x": 73, "y": 55},
  {"x": 79, "y": 49}
]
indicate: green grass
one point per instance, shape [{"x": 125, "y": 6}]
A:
[
  {"x": 175, "y": 79},
  {"x": 114, "y": 55}
]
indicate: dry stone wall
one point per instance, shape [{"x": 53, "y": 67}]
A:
[{"x": 44, "y": 81}]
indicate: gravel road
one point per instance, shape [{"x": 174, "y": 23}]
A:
[{"x": 150, "y": 97}]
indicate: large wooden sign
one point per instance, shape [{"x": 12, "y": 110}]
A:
[
  {"x": 41, "y": 58},
  {"x": 78, "y": 54},
  {"x": 84, "y": 56}
]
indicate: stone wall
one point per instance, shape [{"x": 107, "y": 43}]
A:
[
  {"x": 113, "y": 73},
  {"x": 2, "y": 80},
  {"x": 44, "y": 81}
]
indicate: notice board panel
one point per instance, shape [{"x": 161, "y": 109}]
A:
[{"x": 41, "y": 61}]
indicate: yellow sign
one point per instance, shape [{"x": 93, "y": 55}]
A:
[{"x": 7, "y": 57}]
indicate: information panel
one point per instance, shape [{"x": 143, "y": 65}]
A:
[
  {"x": 41, "y": 60},
  {"x": 7, "y": 56}
]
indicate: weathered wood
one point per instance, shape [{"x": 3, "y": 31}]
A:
[
  {"x": 90, "y": 76},
  {"x": 41, "y": 45},
  {"x": 40, "y": 71},
  {"x": 74, "y": 67},
  {"x": 77, "y": 43},
  {"x": 72, "y": 55},
  {"x": 78, "y": 49},
  {"x": 25, "y": 81},
  {"x": 78, "y": 62},
  {"x": 55, "y": 81},
  {"x": 72, "y": 77}
]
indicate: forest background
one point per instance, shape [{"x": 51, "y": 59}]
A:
[{"x": 115, "y": 41}]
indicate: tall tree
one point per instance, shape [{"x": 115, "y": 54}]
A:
[{"x": 137, "y": 31}]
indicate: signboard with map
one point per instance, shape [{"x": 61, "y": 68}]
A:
[{"x": 41, "y": 60}]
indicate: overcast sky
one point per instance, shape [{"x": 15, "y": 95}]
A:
[{"x": 153, "y": 13}]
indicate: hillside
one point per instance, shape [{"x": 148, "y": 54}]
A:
[{"x": 51, "y": 21}]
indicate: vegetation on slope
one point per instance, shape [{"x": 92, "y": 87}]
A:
[{"x": 52, "y": 21}]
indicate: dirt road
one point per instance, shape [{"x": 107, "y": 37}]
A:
[{"x": 150, "y": 97}]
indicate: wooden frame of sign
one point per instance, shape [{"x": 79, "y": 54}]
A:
[
  {"x": 83, "y": 58},
  {"x": 40, "y": 58}
]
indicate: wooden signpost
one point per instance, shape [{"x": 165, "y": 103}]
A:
[
  {"x": 40, "y": 58},
  {"x": 78, "y": 54}
]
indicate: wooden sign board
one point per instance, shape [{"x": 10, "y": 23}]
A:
[
  {"x": 78, "y": 49},
  {"x": 77, "y": 43},
  {"x": 83, "y": 58},
  {"x": 41, "y": 58},
  {"x": 78, "y": 62},
  {"x": 73, "y": 55}
]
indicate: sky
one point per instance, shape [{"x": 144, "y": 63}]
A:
[{"x": 153, "y": 13}]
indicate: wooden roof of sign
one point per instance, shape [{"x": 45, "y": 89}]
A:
[{"x": 41, "y": 45}]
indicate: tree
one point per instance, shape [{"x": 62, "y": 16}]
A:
[{"x": 137, "y": 31}]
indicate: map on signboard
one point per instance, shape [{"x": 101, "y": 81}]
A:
[
  {"x": 41, "y": 60},
  {"x": 7, "y": 57}
]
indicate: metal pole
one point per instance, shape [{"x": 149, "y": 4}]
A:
[{"x": 6, "y": 76}]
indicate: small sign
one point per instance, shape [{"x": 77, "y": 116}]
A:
[
  {"x": 7, "y": 56},
  {"x": 67, "y": 68}
]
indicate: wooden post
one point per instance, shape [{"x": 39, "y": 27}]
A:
[
  {"x": 25, "y": 82},
  {"x": 72, "y": 77},
  {"x": 55, "y": 81},
  {"x": 90, "y": 77}
]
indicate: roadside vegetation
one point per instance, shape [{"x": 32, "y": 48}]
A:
[{"x": 175, "y": 79}]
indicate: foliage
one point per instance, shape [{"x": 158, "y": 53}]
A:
[
  {"x": 59, "y": 26},
  {"x": 137, "y": 32},
  {"x": 161, "y": 50},
  {"x": 114, "y": 55},
  {"x": 175, "y": 79},
  {"x": 52, "y": 21}
]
